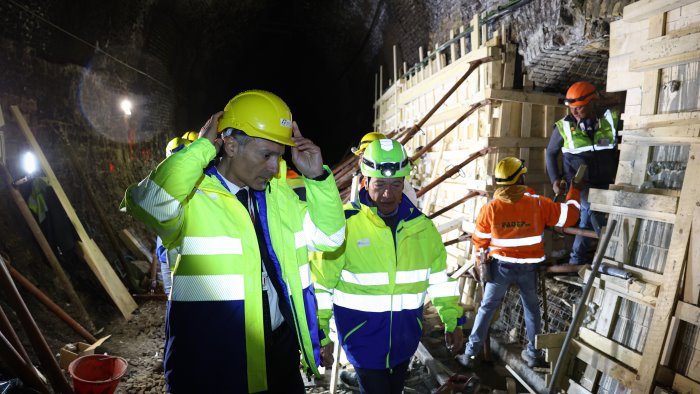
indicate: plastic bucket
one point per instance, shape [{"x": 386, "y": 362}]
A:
[{"x": 97, "y": 373}]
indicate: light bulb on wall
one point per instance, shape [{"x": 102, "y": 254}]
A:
[
  {"x": 126, "y": 107},
  {"x": 29, "y": 163}
]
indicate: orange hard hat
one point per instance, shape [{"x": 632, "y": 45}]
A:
[{"x": 580, "y": 94}]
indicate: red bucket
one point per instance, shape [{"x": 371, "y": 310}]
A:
[{"x": 97, "y": 373}]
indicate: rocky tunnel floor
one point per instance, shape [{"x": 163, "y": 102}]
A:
[{"x": 140, "y": 341}]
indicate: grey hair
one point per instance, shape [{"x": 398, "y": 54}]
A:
[{"x": 240, "y": 136}]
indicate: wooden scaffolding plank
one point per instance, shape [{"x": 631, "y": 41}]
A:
[
  {"x": 611, "y": 348},
  {"x": 674, "y": 267},
  {"x": 691, "y": 290},
  {"x": 96, "y": 260},
  {"x": 667, "y": 51},
  {"x": 685, "y": 385},
  {"x": 688, "y": 313},
  {"x": 645, "y": 206},
  {"x": 645, "y": 8},
  {"x": 662, "y": 120},
  {"x": 602, "y": 362}
]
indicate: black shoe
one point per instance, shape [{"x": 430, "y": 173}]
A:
[
  {"x": 349, "y": 379},
  {"x": 536, "y": 361},
  {"x": 465, "y": 361}
]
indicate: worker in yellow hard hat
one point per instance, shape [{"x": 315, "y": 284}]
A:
[
  {"x": 587, "y": 135},
  {"x": 242, "y": 282},
  {"x": 510, "y": 230}
]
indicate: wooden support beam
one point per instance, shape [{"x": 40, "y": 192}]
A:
[
  {"x": 677, "y": 252},
  {"x": 611, "y": 348},
  {"x": 645, "y": 8},
  {"x": 685, "y": 385},
  {"x": 602, "y": 362},
  {"x": 652, "y": 77},
  {"x": 691, "y": 290},
  {"x": 667, "y": 51},
  {"x": 673, "y": 119},
  {"x": 634, "y": 290},
  {"x": 646, "y": 206},
  {"x": 96, "y": 260},
  {"x": 134, "y": 244},
  {"x": 641, "y": 201},
  {"x": 544, "y": 341},
  {"x": 522, "y": 97},
  {"x": 688, "y": 313}
]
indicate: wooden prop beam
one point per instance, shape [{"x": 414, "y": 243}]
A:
[
  {"x": 46, "y": 248},
  {"x": 93, "y": 255}
]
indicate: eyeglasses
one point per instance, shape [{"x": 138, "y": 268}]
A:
[
  {"x": 381, "y": 185},
  {"x": 568, "y": 101}
]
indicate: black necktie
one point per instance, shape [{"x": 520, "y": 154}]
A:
[{"x": 245, "y": 198}]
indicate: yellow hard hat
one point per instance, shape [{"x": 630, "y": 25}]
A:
[
  {"x": 509, "y": 170},
  {"x": 190, "y": 135},
  {"x": 259, "y": 114},
  {"x": 175, "y": 145},
  {"x": 366, "y": 140}
]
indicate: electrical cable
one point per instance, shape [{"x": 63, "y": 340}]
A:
[{"x": 96, "y": 48}]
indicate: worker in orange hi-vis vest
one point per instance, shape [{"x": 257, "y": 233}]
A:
[{"x": 510, "y": 229}]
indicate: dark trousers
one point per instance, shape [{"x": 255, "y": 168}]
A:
[
  {"x": 282, "y": 362},
  {"x": 382, "y": 381}
]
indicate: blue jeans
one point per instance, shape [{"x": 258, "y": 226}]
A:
[
  {"x": 588, "y": 220},
  {"x": 382, "y": 381},
  {"x": 503, "y": 275}
]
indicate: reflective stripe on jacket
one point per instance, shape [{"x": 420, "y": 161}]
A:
[
  {"x": 376, "y": 287},
  {"x": 512, "y": 224},
  {"x": 577, "y": 140},
  {"x": 215, "y": 319}
]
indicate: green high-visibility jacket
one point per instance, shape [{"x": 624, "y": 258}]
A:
[
  {"x": 577, "y": 140},
  {"x": 376, "y": 283},
  {"x": 214, "y": 332}
]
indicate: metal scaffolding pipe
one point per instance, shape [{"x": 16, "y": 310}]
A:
[
  {"x": 473, "y": 65},
  {"x": 452, "y": 171},
  {"x": 472, "y": 194},
  {"x": 60, "y": 313},
  {"x": 9, "y": 332},
  {"x": 471, "y": 110},
  {"x": 581, "y": 306},
  {"x": 19, "y": 367},
  {"x": 41, "y": 348}
]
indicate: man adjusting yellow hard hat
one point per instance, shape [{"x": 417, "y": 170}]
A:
[{"x": 258, "y": 114}]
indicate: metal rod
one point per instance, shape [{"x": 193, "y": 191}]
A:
[
  {"x": 452, "y": 171},
  {"x": 576, "y": 231},
  {"x": 472, "y": 67},
  {"x": 573, "y": 328},
  {"x": 9, "y": 332},
  {"x": 50, "y": 305},
  {"x": 451, "y": 127},
  {"x": 472, "y": 194},
  {"x": 463, "y": 237},
  {"x": 41, "y": 348},
  {"x": 18, "y": 366}
]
